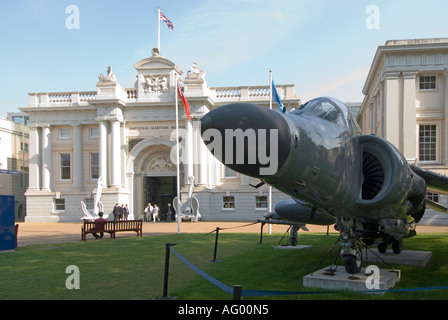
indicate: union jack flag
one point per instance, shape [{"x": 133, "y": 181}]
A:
[{"x": 168, "y": 22}]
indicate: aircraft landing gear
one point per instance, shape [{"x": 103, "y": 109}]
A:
[
  {"x": 397, "y": 245},
  {"x": 350, "y": 247}
]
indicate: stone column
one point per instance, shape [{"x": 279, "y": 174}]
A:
[
  {"x": 392, "y": 109},
  {"x": 188, "y": 166},
  {"x": 115, "y": 155},
  {"x": 103, "y": 152},
  {"x": 445, "y": 134},
  {"x": 78, "y": 173},
  {"x": 34, "y": 158},
  {"x": 409, "y": 117},
  {"x": 46, "y": 158},
  {"x": 201, "y": 156}
]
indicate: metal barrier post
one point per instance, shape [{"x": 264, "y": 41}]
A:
[
  {"x": 167, "y": 269},
  {"x": 216, "y": 246},
  {"x": 237, "y": 292}
]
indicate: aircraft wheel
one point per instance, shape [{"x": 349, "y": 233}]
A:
[
  {"x": 293, "y": 242},
  {"x": 353, "y": 264},
  {"x": 382, "y": 247},
  {"x": 397, "y": 246}
]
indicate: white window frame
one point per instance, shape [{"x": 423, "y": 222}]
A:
[
  {"x": 91, "y": 165},
  {"x": 226, "y": 175},
  {"x": 94, "y": 133},
  {"x": 429, "y": 82},
  {"x": 261, "y": 202},
  {"x": 61, "y": 167},
  {"x": 438, "y": 141},
  {"x": 65, "y": 133},
  {"x": 55, "y": 205},
  {"x": 229, "y": 208}
]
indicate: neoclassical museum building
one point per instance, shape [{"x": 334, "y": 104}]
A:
[{"x": 126, "y": 136}]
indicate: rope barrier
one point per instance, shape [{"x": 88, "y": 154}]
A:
[{"x": 258, "y": 293}]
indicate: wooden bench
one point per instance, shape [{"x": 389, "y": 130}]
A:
[{"x": 111, "y": 227}]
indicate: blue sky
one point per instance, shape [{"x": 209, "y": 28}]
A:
[{"x": 322, "y": 46}]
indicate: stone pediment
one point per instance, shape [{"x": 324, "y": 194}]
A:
[{"x": 156, "y": 63}]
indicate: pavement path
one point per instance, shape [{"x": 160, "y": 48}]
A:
[{"x": 33, "y": 233}]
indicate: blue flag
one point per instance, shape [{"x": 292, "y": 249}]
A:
[{"x": 276, "y": 97}]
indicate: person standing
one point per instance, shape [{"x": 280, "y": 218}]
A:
[
  {"x": 116, "y": 211},
  {"x": 169, "y": 212},
  {"x": 125, "y": 212},
  {"x": 148, "y": 211},
  {"x": 155, "y": 213}
]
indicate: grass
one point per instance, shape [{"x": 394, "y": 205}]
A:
[{"x": 133, "y": 268}]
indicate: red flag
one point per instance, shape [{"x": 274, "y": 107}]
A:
[{"x": 180, "y": 95}]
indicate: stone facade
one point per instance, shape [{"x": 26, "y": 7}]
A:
[
  {"x": 126, "y": 136},
  {"x": 406, "y": 101}
]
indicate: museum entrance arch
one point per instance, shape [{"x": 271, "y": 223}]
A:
[
  {"x": 154, "y": 176},
  {"x": 160, "y": 191}
]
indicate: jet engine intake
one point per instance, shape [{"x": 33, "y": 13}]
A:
[{"x": 378, "y": 169}]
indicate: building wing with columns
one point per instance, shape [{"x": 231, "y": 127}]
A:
[
  {"x": 125, "y": 136},
  {"x": 406, "y": 100}
]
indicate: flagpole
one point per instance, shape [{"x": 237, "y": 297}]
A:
[
  {"x": 158, "y": 38},
  {"x": 270, "y": 107},
  {"x": 177, "y": 158}
]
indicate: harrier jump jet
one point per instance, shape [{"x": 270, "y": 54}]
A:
[{"x": 335, "y": 175}]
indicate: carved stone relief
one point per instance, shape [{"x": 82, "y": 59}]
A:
[
  {"x": 155, "y": 84},
  {"x": 160, "y": 165}
]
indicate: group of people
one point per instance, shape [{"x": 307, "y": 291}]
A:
[
  {"x": 152, "y": 212},
  {"x": 120, "y": 212}
]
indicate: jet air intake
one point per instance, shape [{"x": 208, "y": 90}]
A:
[
  {"x": 373, "y": 173},
  {"x": 247, "y": 138}
]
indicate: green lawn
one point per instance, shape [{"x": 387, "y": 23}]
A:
[{"x": 133, "y": 268}]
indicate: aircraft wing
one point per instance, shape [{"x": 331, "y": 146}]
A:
[
  {"x": 435, "y": 182},
  {"x": 436, "y": 206}
]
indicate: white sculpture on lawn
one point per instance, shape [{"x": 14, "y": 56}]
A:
[
  {"x": 98, "y": 205},
  {"x": 189, "y": 208}
]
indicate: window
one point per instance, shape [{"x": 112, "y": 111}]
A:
[
  {"x": 59, "y": 204},
  {"x": 428, "y": 143},
  {"x": 65, "y": 133},
  {"x": 327, "y": 111},
  {"x": 94, "y": 166},
  {"x": 432, "y": 196},
  {"x": 261, "y": 202},
  {"x": 229, "y": 173},
  {"x": 24, "y": 147},
  {"x": 228, "y": 203},
  {"x": 428, "y": 82},
  {"x": 94, "y": 133},
  {"x": 90, "y": 204},
  {"x": 65, "y": 166}
]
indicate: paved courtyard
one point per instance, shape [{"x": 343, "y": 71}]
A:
[{"x": 47, "y": 233}]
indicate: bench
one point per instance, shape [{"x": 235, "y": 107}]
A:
[{"x": 111, "y": 227}]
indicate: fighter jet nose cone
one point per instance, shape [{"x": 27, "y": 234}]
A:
[
  {"x": 206, "y": 123},
  {"x": 247, "y": 138}
]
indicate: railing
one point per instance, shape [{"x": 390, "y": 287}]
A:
[
  {"x": 61, "y": 98},
  {"x": 68, "y": 99}
]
